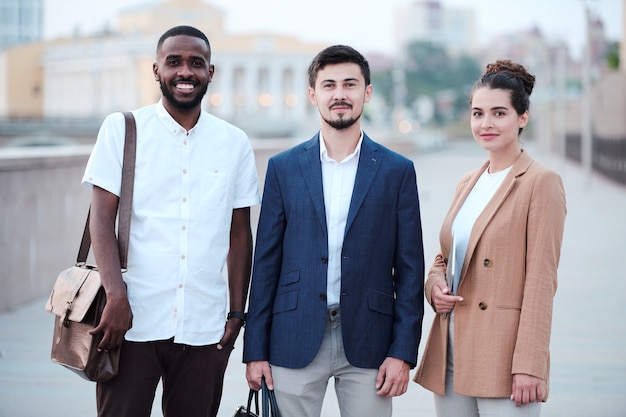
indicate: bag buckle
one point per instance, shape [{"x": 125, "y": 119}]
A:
[{"x": 68, "y": 309}]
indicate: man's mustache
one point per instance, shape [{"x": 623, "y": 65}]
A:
[{"x": 341, "y": 103}]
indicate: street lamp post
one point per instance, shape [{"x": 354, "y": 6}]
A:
[{"x": 586, "y": 135}]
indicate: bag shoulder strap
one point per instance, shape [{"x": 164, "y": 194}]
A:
[
  {"x": 126, "y": 197},
  {"x": 128, "y": 183}
]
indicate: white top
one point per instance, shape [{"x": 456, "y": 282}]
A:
[
  {"x": 338, "y": 183},
  {"x": 187, "y": 184},
  {"x": 474, "y": 204}
]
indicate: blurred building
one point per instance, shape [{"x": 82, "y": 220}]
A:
[
  {"x": 431, "y": 21},
  {"x": 21, "y": 21},
  {"x": 21, "y": 81},
  {"x": 622, "y": 51},
  {"x": 608, "y": 107},
  {"x": 260, "y": 80}
]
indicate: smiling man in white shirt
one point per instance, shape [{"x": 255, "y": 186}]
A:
[{"x": 174, "y": 315}]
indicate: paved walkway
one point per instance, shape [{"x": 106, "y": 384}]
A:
[{"x": 588, "y": 339}]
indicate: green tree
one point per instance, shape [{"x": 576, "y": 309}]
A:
[
  {"x": 612, "y": 56},
  {"x": 383, "y": 84},
  {"x": 431, "y": 71},
  {"x": 428, "y": 71}
]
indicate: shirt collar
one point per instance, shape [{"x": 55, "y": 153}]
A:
[
  {"x": 171, "y": 124},
  {"x": 324, "y": 151}
]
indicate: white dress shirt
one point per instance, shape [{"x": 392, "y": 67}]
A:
[
  {"x": 187, "y": 184},
  {"x": 338, "y": 183}
]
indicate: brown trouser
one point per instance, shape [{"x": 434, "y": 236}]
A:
[{"x": 192, "y": 378}]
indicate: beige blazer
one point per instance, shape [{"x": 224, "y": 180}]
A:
[{"x": 508, "y": 282}]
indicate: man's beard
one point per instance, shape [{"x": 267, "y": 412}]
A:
[
  {"x": 182, "y": 105},
  {"x": 342, "y": 123}
]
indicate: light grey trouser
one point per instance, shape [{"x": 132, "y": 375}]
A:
[
  {"x": 456, "y": 405},
  {"x": 300, "y": 392}
]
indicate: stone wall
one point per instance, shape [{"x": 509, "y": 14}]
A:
[
  {"x": 44, "y": 207},
  {"x": 42, "y": 218}
]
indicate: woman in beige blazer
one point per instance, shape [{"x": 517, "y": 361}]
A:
[{"x": 493, "y": 281}]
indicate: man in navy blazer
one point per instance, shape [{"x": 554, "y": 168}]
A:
[{"x": 339, "y": 266}]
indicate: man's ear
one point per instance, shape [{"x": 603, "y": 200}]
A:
[{"x": 311, "y": 92}]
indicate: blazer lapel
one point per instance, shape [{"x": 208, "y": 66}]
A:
[
  {"x": 519, "y": 168},
  {"x": 369, "y": 161},
  {"x": 312, "y": 172}
]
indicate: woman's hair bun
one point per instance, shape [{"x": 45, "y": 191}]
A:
[{"x": 506, "y": 66}]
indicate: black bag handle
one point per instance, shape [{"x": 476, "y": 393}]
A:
[
  {"x": 270, "y": 407},
  {"x": 253, "y": 394}
]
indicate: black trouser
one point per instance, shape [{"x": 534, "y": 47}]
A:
[{"x": 192, "y": 379}]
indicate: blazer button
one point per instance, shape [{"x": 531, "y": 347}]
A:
[
  {"x": 487, "y": 262},
  {"x": 323, "y": 297},
  {"x": 324, "y": 260},
  {"x": 482, "y": 305}
]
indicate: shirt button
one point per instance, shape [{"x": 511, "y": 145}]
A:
[
  {"x": 184, "y": 171},
  {"x": 482, "y": 305},
  {"x": 487, "y": 262},
  {"x": 184, "y": 228},
  {"x": 183, "y": 257},
  {"x": 184, "y": 199},
  {"x": 180, "y": 285}
]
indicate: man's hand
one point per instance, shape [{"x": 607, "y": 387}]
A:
[
  {"x": 393, "y": 377},
  {"x": 231, "y": 331},
  {"x": 255, "y": 371},
  {"x": 526, "y": 389},
  {"x": 117, "y": 318}
]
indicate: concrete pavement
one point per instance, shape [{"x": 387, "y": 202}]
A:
[{"x": 589, "y": 329}]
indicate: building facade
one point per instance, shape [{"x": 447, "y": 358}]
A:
[
  {"x": 21, "y": 21},
  {"x": 260, "y": 80},
  {"x": 431, "y": 21}
]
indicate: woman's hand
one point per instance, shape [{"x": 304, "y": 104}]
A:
[
  {"x": 441, "y": 298},
  {"x": 526, "y": 389}
]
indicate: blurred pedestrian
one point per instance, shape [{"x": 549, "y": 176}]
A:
[
  {"x": 195, "y": 180},
  {"x": 339, "y": 267},
  {"x": 493, "y": 281}
]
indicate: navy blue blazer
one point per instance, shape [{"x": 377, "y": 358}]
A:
[{"x": 382, "y": 265}]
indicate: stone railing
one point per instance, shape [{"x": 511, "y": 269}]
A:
[
  {"x": 44, "y": 208},
  {"x": 42, "y": 217}
]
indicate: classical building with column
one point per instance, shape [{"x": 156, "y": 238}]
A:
[{"x": 260, "y": 80}]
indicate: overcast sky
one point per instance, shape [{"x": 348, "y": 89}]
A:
[{"x": 364, "y": 24}]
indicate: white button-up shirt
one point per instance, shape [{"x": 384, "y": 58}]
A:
[
  {"x": 338, "y": 182},
  {"x": 187, "y": 184}
]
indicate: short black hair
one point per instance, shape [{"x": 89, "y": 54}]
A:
[
  {"x": 186, "y": 31},
  {"x": 338, "y": 54}
]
